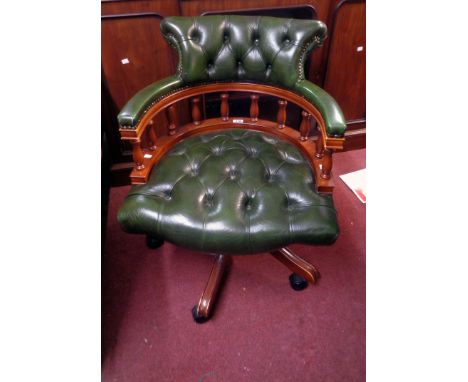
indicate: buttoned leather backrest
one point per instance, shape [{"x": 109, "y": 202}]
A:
[{"x": 249, "y": 48}]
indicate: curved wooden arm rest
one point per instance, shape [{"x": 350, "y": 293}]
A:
[
  {"x": 318, "y": 153},
  {"x": 331, "y": 142}
]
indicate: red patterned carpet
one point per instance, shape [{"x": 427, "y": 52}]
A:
[{"x": 262, "y": 330}]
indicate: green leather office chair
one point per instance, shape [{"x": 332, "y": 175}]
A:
[{"x": 234, "y": 185}]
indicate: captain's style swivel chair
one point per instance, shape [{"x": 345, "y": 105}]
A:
[{"x": 234, "y": 186}]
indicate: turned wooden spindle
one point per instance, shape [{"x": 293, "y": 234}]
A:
[
  {"x": 305, "y": 125},
  {"x": 254, "y": 107},
  {"x": 224, "y": 106},
  {"x": 319, "y": 145},
  {"x": 281, "y": 116},
  {"x": 172, "y": 118},
  {"x": 196, "y": 113},
  {"x": 152, "y": 135},
  {"x": 138, "y": 155},
  {"x": 326, "y": 164}
]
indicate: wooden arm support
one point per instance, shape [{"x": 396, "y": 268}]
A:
[
  {"x": 324, "y": 154},
  {"x": 138, "y": 155}
]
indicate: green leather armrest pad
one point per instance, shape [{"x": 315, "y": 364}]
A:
[
  {"x": 137, "y": 105},
  {"x": 335, "y": 123}
]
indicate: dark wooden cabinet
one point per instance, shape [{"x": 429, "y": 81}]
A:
[
  {"x": 134, "y": 54},
  {"x": 345, "y": 66}
]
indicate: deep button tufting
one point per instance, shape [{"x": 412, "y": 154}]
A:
[
  {"x": 254, "y": 34},
  {"x": 248, "y": 202},
  {"x": 208, "y": 200},
  {"x": 244, "y": 34},
  {"x": 195, "y": 35},
  {"x": 233, "y": 174},
  {"x": 166, "y": 194},
  {"x": 252, "y": 152},
  {"x": 194, "y": 171},
  {"x": 291, "y": 203},
  {"x": 233, "y": 203},
  {"x": 216, "y": 150}
]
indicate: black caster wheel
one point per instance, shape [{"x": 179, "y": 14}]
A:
[
  {"x": 153, "y": 242},
  {"x": 198, "y": 319},
  {"x": 297, "y": 282}
]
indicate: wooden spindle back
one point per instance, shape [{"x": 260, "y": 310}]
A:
[
  {"x": 254, "y": 107},
  {"x": 172, "y": 118},
  {"x": 281, "y": 116},
  {"x": 224, "y": 106},
  {"x": 319, "y": 150},
  {"x": 196, "y": 113}
]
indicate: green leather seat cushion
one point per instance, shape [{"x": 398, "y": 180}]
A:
[{"x": 235, "y": 192}]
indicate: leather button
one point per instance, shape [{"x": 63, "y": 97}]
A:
[
  {"x": 248, "y": 204},
  {"x": 233, "y": 174},
  {"x": 195, "y": 35},
  {"x": 167, "y": 194},
  {"x": 252, "y": 152},
  {"x": 208, "y": 200},
  {"x": 216, "y": 151}
]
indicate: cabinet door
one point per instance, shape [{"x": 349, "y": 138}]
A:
[
  {"x": 345, "y": 77},
  {"x": 133, "y": 55}
]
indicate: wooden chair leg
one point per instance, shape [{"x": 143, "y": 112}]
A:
[
  {"x": 297, "y": 264},
  {"x": 201, "y": 312}
]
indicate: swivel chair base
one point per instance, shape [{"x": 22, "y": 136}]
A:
[{"x": 303, "y": 272}]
